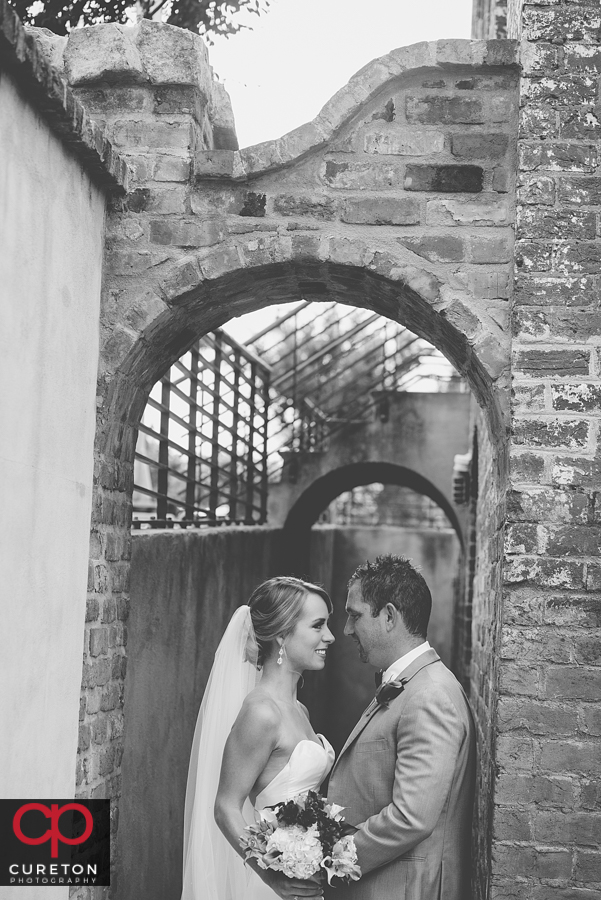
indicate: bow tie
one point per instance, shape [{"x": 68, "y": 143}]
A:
[{"x": 387, "y": 692}]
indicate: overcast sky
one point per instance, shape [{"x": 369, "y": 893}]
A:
[{"x": 300, "y": 52}]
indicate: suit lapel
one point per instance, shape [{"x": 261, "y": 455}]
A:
[{"x": 425, "y": 659}]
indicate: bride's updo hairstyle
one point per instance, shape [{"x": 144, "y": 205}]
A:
[{"x": 275, "y": 608}]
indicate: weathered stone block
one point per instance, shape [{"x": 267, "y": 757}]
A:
[
  {"x": 528, "y": 398},
  {"x": 179, "y": 100},
  {"x": 573, "y": 610},
  {"x": 173, "y": 55},
  {"x": 303, "y": 205},
  {"x": 479, "y": 146},
  {"x": 538, "y": 120},
  {"x": 484, "y": 210},
  {"x": 403, "y": 143},
  {"x": 385, "y": 211},
  {"x": 571, "y": 434},
  {"x": 556, "y": 224},
  {"x": 587, "y": 651},
  {"x": 518, "y": 679},
  {"x": 444, "y": 179},
  {"x": 521, "y": 539},
  {"x": 512, "y": 824},
  {"x": 186, "y": 234},
  {"x": 502, "y": 180},
  {"x": 533, "y": 256},
  {"x": 220, "y": 261},
  {"x": 578, "y": 258},
  {"x": 555, "y": 362},
  {"x": 561, "y": 92},
  {"x": 530, "y": 324},
  {"x": 171, "y": 168},
  {"x": 436, "y": 248},
  {"x": 501, "y": 109},
  {"x": 574, "y": 683},
  {"x": 585, "y": 58},
  {"x": 581, "y": 124},
  {"x": 183, "y": 277},
  {"x": 558, "y": 157},
  {"x": 544, "y": 791},
  {"x": 537, "y": 717},
  {"x": 577, "y": 472},
  {"x": 588, "y": 866},
  {"x": 436, "y": 109},
  {"x": 515, "y": 752},
  {"x": 576, "y": 397},
  {"x": 545, "y": 572},
  {"x": 583, "y": 191},
  {"x": 590, "y": 794},
  {"x": 153, "y": 135},
  {"x": 547, "y": 505},
  {"x": 526, "y": 467},
  {"x": 560, "y": 24},
  {"x": 555, "y": 291},
  {"x": 489, "y": 249},
  {"x": 363, "y": 176},
  {"x": 575, "y": 540},
  {"x": 537, "y": 191},
  {"x": 103, "y": 53}
]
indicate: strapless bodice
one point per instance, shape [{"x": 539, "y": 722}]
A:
[{"x": 307, "y": 766}]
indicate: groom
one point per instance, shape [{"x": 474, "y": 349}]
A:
[{"x": 406, "y": 773}]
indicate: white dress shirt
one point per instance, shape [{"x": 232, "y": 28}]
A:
[{"x": 399, "y": 666}]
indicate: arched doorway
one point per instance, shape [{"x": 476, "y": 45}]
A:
[
  {"x": 330, "y": 553},
  {"x": 211, "y": 302}
]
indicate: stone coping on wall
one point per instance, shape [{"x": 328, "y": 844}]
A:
[
  {"x": 51, "y": 96},
  {"x": 365, "y": 84}
]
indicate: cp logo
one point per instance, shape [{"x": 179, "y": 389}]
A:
[{"x": 54, "y": 812}]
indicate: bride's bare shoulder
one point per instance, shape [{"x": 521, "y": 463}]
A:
[{"x": 260, "y": 712}]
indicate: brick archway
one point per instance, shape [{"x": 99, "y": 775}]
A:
[
  {"x": 347, "y": 271},
  {"x": 397, "y": 198}
]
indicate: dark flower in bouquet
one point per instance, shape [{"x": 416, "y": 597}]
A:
[{"x": 303, "y": 837}]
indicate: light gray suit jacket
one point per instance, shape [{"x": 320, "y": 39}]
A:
[{"x": 406, "y": 777}]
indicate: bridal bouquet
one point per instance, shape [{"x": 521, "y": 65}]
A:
[{"x": 303, "y": 837}]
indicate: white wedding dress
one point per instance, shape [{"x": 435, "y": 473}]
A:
[
  {"x": 307, "y": 766},
  {"x": 212, "y": 869}
]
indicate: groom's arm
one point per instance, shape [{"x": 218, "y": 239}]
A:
[{"x": 430, "y": 733}]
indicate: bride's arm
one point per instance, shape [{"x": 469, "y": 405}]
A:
[{"x": 252, "y": 740}]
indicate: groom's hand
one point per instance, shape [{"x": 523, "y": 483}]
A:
[{"x": 289, "y": 888}]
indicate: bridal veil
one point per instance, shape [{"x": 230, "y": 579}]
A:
[{"x": 212, "y": 868}]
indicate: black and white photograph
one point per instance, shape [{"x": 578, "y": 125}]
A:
[{"x": 300, "y": 428}]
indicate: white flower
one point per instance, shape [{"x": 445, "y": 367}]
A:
[
  {"x": 343, "y": 861},
  {"x": 334, "y": 811},
  {"x": 295, "y": 851}
]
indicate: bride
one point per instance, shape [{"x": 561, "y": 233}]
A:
[{"x": 254, "y": 745}]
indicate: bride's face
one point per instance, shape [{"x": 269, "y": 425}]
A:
[{"x": 306, "y": 646}]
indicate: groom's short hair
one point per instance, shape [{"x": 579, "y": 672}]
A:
[{"x": 393, "y": 579}]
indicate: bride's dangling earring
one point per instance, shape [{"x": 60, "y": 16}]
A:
[{"x": 280, "y": 656}]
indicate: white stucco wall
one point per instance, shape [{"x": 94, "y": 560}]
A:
[{"x": 51, "y": 231}]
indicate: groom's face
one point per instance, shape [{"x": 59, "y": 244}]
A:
[{"x": 362, "y": 627}]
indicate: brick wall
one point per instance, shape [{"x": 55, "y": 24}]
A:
[
  {"x": 486, "y": 625},
  {"x": 547, "y": 823}
]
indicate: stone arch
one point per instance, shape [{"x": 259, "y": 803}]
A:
[
  {"x": 276, "y": 223},
  {"x": 200, "y": 292},
  {"x": 320, "y": 494}
]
